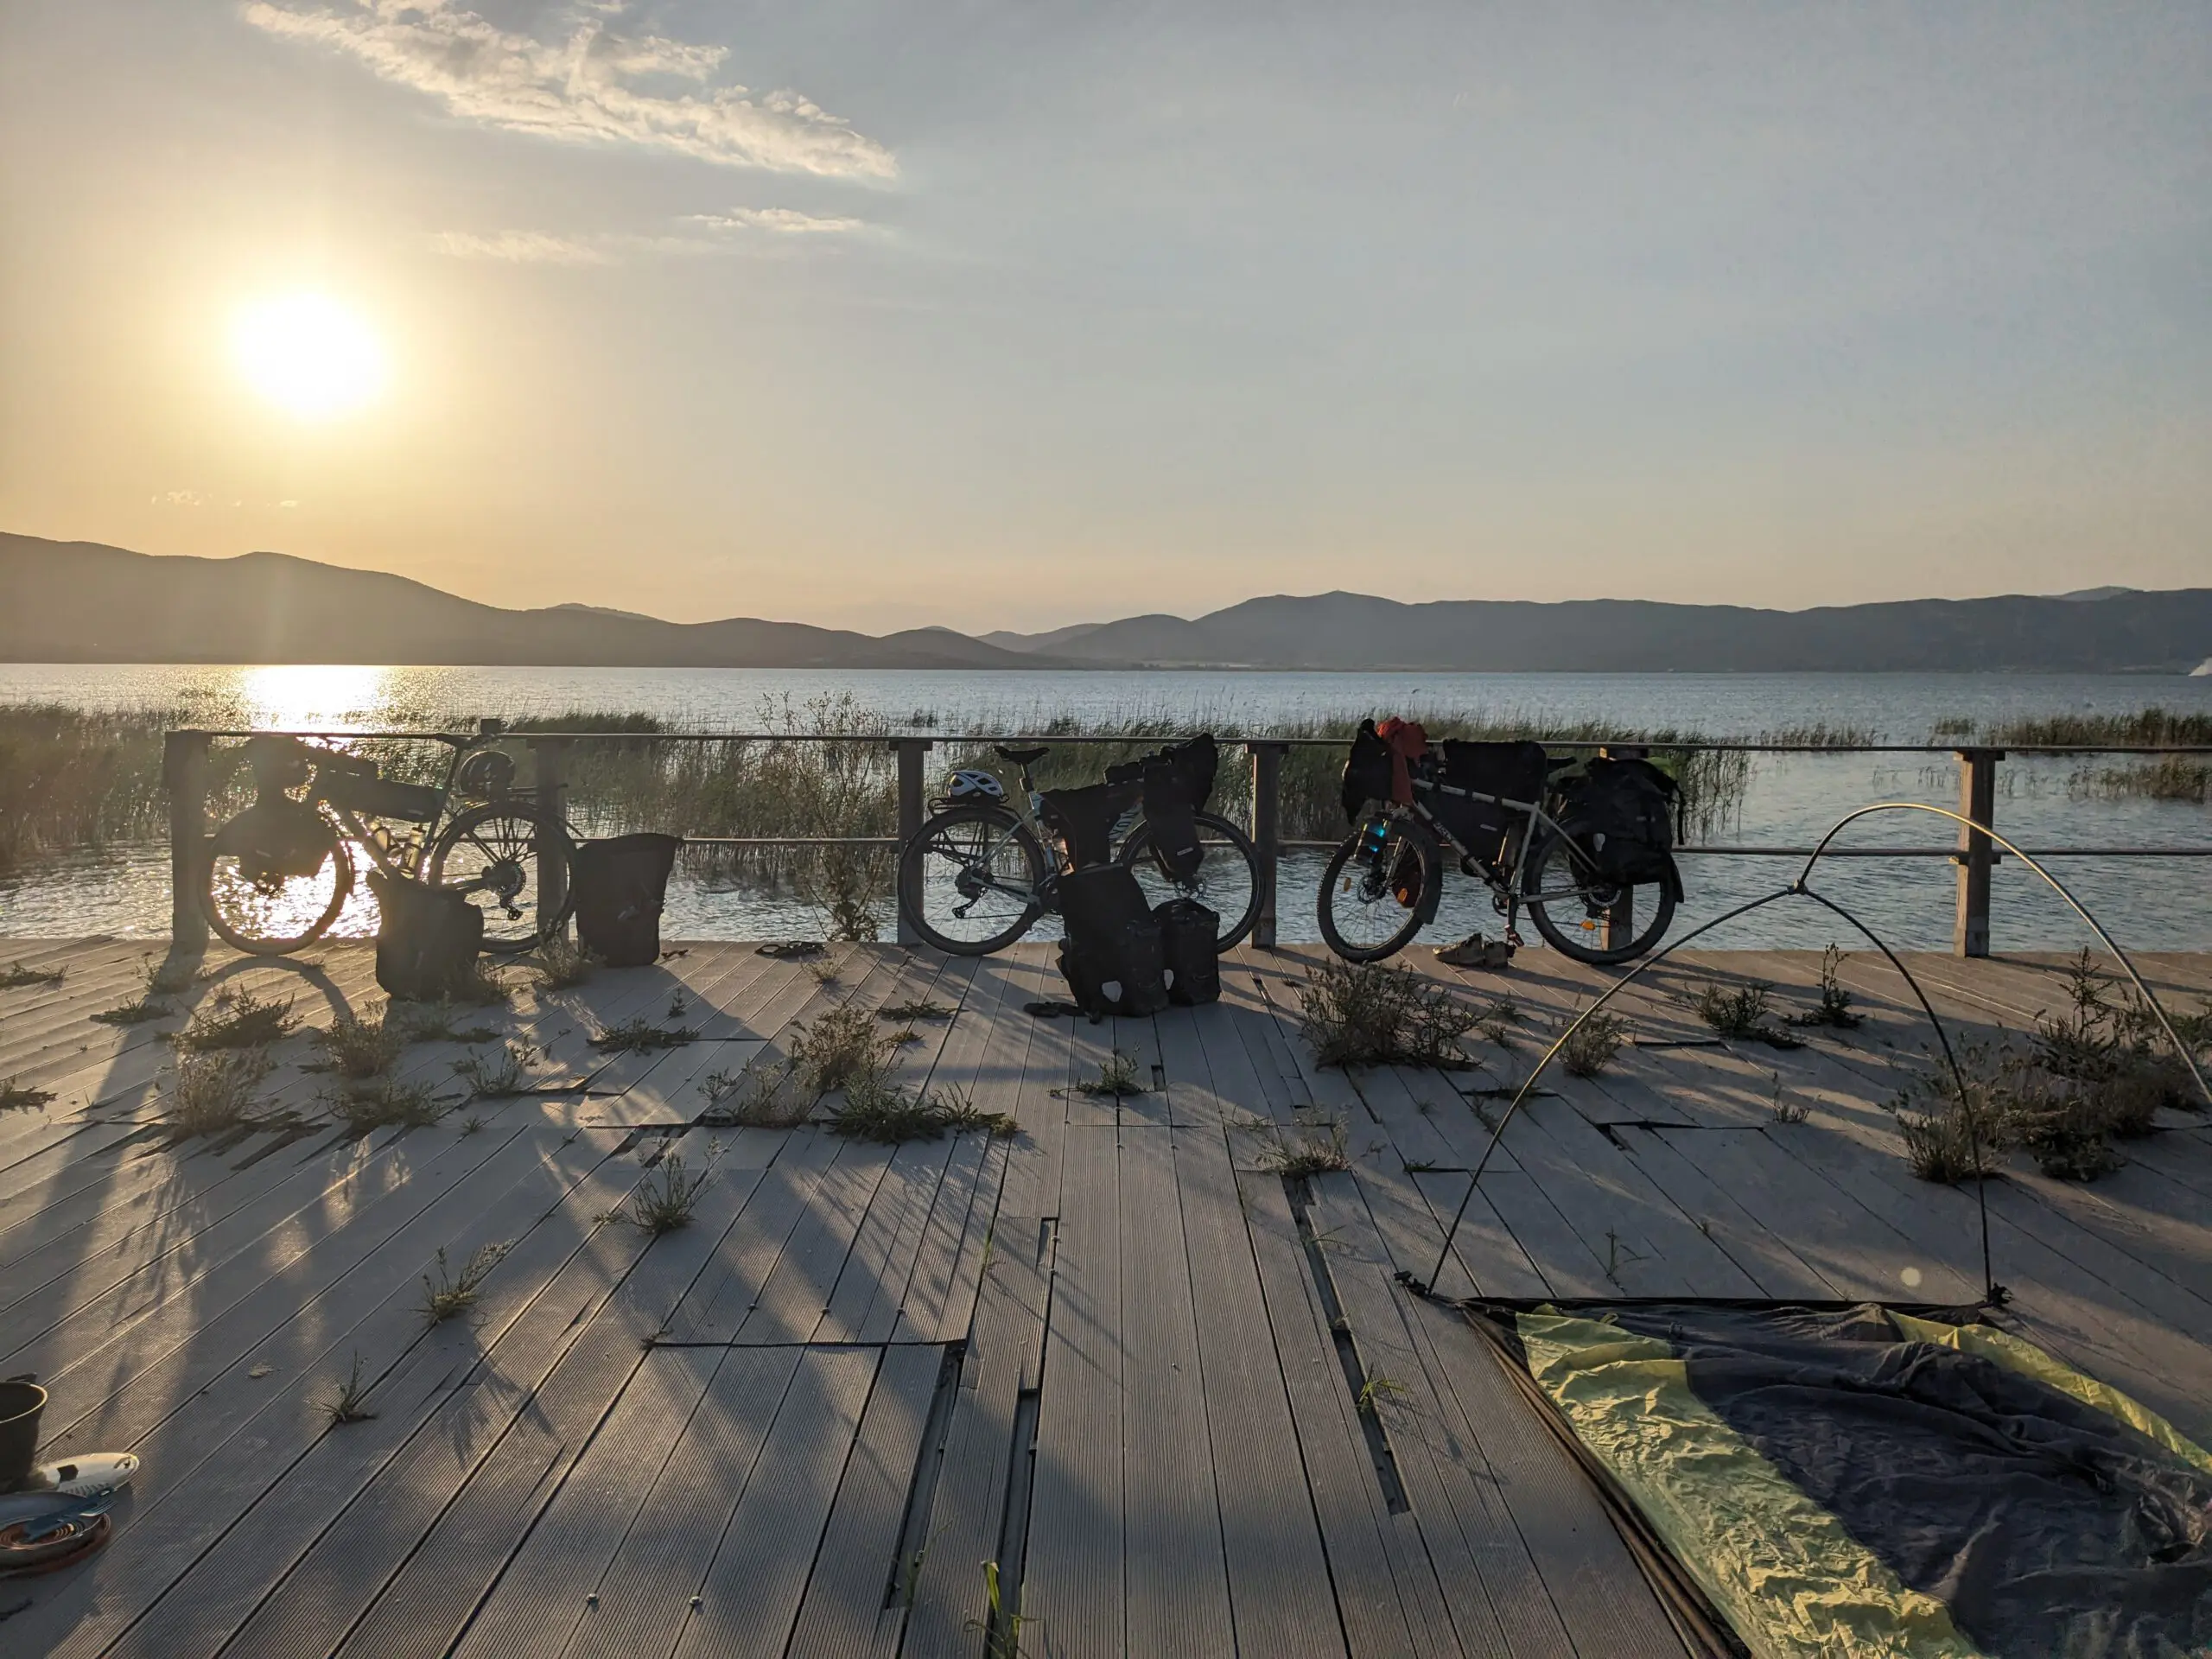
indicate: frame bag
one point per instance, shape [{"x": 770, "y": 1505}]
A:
[
  {"x": 1509, "y": 772},
  {"x": 1190, "y": 945},
  {"x": 1111, "y": 957}
]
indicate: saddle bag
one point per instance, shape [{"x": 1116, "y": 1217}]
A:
[
  {"x": 1622, "y": 811},
  {"x": 1084, "y": 819},
  {"x": 621, "y": 885},
  {"x": 1111, "y": 957},
  {"x": 427, "y": 937},
  {"x": 1190, "y": 946},
  {"x": 1507, "y": 772}
]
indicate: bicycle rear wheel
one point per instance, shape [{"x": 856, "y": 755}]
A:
[
  {"x": 1228, "y": 879},
  {"x": 967, "y": 879},
  {"x": 493, "y": 856},
  {"x": 1378, "y": 889},
  {"x": 1601, "y": 923}
]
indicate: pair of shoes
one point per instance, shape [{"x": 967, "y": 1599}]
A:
[{"x": 1475, "y": 952}]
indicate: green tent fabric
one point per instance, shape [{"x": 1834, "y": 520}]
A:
[{"x": 1857, "y": 1482}]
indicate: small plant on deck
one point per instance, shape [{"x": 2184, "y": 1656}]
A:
[
  {"x": 1117, "y": 1078},
  {"x": 838, "y": 1049},
  {"x": 15, "y": 976},
  {"x": 433, "y": 1022},
  {"x": 562, "y": 965},
  {"x": 1322, "y": 1149},
  {"x": 1001, "y": 1626},
  {"x": 238, "y": 1019},
  {"x": 501, "y": 1077},
  {"x": 754, "y": 1099},
  {"x": 641, "y": 1036},
  {"x": 383, "y": 1103},
  {"x": 360, "y": 1047},
  {"x": 345, "y": 1404},
  {"x": 1741, "y": 1013},
  {"x": 1786, "y": 1110},
  {"x": 215, "y": 1093},
  {"x": 875, "y": 1109},
  {"x": 1953, "y": 1125},
  {"x": 1834, "y": 1010},
  {"x": 449, "y": 1294},
  {"x": 665, "y": 1198},
  {"x": 1376, "y": 1014},
  {"x": 906, "y": 1013},
  {"x": 1593, "y": 1045},
  {"x": 16, "y": 1097},
  {"x": 1378, "y": 1387}
]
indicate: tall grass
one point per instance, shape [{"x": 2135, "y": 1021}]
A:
[{"x": 71, "y": 779}]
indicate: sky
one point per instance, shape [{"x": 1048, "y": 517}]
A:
[{"x": 997, "y": 316}]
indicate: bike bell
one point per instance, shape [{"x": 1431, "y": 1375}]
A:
[
  {"x": 972, "y": 784},
  {"x": 486, "y": 773}
]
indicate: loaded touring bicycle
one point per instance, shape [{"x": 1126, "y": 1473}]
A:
[{"x": 1585, "y": 847}]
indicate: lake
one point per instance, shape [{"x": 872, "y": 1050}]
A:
[{"x": 2042, "y": 801}]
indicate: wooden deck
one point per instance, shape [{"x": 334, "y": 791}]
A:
[{"x": 1116, "y": 1353}]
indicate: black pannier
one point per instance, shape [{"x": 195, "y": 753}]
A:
[
  {"x": 1510, "y": 772},
  {"x": 1367, "y": 771},
  {"x": 1085, "y": 818},
  {"x": 621, "y": 884},
  {"x": 427, "y": 937},
  {"x": 1177, "y": 782},
  {"x": 1111, "y": 957},
  {"x": 1622, "y": 812},
  {"x": 1190, "y": 946}
]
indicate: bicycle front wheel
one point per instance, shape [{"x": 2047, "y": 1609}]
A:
[
  {"x": 1581, "y": 916},
  {"x": 1376, "y": 891},
  {"x": 496, "y": 857},
  {"x": 967, "y": 879},
  {"x": 270, "y": 893},
  {"x": 1227, "y": 881}
]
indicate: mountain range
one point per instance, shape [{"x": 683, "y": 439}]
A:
[{"x": 81, "y": 601}]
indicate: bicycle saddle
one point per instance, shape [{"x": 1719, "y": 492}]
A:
[{"x": 1018, "y": 756}]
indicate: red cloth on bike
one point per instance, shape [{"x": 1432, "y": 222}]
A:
[{"x": 1408, "y": 743}]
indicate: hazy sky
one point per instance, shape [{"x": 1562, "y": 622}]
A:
[{"x": 1002, "y": 315}]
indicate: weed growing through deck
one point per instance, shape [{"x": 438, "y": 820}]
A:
[
  {"x": 1001, "y": 1627},
  {"x": 1377, "y": 1014},
  {"x": 562, "y": 965},
  {"x": 906, "y": 1013},
  {"x": 451, "y": 1294},
  {"x": 1617, "y": 1256},
  {"x": 499, "y": 1078},
  {"x": 752, "y": 1100},
  {"x": 1117, "y": 1078},
  {"x": 1379, "y": 1386},
  {"x": 1497, "y": 1023},
  {"x": 383, "y": 1104},
  {"x": 1738, "y": 1013},
  {"x": 1950, "y": 1132},
  {"x": 480, "y": 986},
  {"x": 824, "y": 972},
  {"x": 1592, "y": 1046},
  {"x": 474, "y": 1124},
  {"x": 214, "y": 1093},
  {"x": 238, "y": 1019},
  {"x": 1786, "y": 1110},
  {"x": 903, "y": 1037},
  {"x": 433, "y": 1022},
  {"x": 838, "y": 1049},
  {"x": 15, "y": 976},
  {"x": 677, "y": 1006},
  {"x": 641, "y": 1036},
  {"x": 360, "y": 1047},
  {"x": 1834, "y": 1010},
  {"x": 345, "y": 1405},
  {"x": 15, "y": 1096},
  {"x": 664, "y": 1199},
  {"x": 877, "y": 1109},
  {"x": 1322, "y": 1149}
]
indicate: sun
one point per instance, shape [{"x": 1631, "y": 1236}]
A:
[{"x": 309, "y": 355}]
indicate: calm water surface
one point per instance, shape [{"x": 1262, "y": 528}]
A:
[{"x": 2163, "y": 904}]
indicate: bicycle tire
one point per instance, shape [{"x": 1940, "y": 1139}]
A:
[
  {"x": 915, "y": 886},
  {"x": 1140, "y": 840},
  {"x": 221, "y": 878},
  {"x": 1567, "y": 941},
  {"x": 515, "y": 874},
  {"x": 1337, "y": 884}
]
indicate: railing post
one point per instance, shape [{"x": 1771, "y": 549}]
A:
[
  {"x": 1267, "y": 832},
  {"x": 1978, "y": 801},
  {"x": 548, "y": 759},
  {"x": 184, "y": 774},
  {"x": 910, "y": 751}
]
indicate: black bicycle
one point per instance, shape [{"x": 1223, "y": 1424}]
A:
[
  {"x": 279, "y": 872},
  {"x": 978, "y": 874},
  {"x": 1588, "y": 856}
]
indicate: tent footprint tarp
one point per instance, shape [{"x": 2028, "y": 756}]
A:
[{"x": 1870, "y": 1482}]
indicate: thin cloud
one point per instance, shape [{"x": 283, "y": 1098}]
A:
[
  {"x": 526, "y": 248},
  {"x": 581, "y": 89},
  {"x": 715, "y": 233}
]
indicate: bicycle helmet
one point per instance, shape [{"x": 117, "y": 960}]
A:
[
  {"x": 972, "y": 784},
  {"x": 484, "y": 774}
]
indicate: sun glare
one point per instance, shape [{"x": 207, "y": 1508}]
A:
[{"x": 308, "y": 354}]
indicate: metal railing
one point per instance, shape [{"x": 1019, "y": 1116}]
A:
[{"x": 187, "y": 756}]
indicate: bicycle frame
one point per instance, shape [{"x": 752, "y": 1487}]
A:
[{"x": 1518, "y": 840}]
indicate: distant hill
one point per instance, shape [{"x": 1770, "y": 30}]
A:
[
  {"x": 2120, "y": 631},
  {"x": 80, "y": 602}
]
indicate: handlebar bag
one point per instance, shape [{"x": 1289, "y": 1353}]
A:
[{"x": 1112, "y": 956}]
